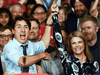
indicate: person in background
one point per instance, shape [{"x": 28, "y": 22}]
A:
[
  {"x": 62, "y": 16},
  {"x": 1, "y": 3},
  {"x": 29, "y": 5},
  {"x": 80, "y": 9},
  {"x": 8, "y": 3},
  {"x": 16, "y": 9},
  {"x": 5, "y": 36},
  {"x": 91, "y": 30},
  {"x": 95, "y": 10},
  {"x": 67, "y": 5},
  {"x": 39, "y": 12},
  {"x": 34, "y": 31},
  {"x": 5, "y": 17}
]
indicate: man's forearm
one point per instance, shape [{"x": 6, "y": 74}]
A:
[
  {"x": 46, "y": 36},
  {"x": 39, "y": 2},
  {"x": 94, "y": 6},
  {"x": 30, "y": 59}
]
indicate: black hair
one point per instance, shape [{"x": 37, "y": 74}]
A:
[
  {"x": 36, "y": 6},
  {"x": 19, "y": 18},
  {"x": 30, "y": 2},
  {"x": 9, "y": 13}
]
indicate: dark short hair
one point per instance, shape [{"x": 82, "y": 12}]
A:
[
  {"x": 19, "y": 18},
  {"x": 3, "y": 28},
  {"x": 2, "y": 10},
  {"x": 36, "y": 6},
  {"x": 30, "y": 2},
  {"x": 34, "y": 19}
]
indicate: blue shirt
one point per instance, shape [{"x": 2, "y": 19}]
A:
[{"x": 13, "y": 51}]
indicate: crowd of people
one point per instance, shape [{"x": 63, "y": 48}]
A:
[{"x": 32, "y": 40}]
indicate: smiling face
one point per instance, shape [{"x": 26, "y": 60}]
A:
[
  {"x": 16, "y": 10},
  {"x": 66, "y": 4},
  {"x": 40, "y": 14},
  {"x": 4, "y": 18},
  {"x": 34, "y": 31},
  {"x": 5, "y": 36},
  {"x": 80, "y": 9},
  {"x": 21, "y": 31},
  {"x": 89, "y": 30},
  {"x": 77, "y": 46}
]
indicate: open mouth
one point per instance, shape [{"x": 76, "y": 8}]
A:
[{"x": 22, "y": 36}]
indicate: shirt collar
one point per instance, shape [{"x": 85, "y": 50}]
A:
[{"x": 18, "y": 43}]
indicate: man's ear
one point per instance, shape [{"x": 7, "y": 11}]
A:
[
  {"x": 97, "y": 28},
  {"x": 13, "y": 31}
]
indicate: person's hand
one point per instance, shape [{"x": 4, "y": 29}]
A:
[
  {"x": 22, "y": 1},
  {"x": 47, "y": 56},
  {"x": 49, "y": 20},
  {"x": 39, "y": 2},
  {"x": 54, "y": 7},
  {"x": 55, "y": 10},
  {"x": 94, "y": 13}
]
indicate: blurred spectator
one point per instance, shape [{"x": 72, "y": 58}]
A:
[
  {"x": 90, "y": 29},
  {"x": 16, "y": 9},
  {"x": 29, "y": 5},
  {"x": 62, "y": 16},
  {"x": 80, "y": 9},
  {"x": 1, "y": 3},
  {"x": 95, "y": 10},
  {"x": 5, "y": 17},
  {"x": 8, "y": 3},
  {"x": 34, "y": 31},
  {"x": 5, "y": 36},
  {"x": 67, "y": 5},
  {"x": 39, "y": 12}
]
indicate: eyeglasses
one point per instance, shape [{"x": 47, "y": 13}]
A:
[
  {"x": 36, "y": 13},
  {"x": 4, "y": 36}
]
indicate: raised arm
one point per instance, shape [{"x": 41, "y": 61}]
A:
[
  {"x": 22, "y": 1},
  {"x": 94, "y": 6},
  {"x": 39, "y": 2}
]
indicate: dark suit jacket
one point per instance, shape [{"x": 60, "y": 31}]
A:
[{"x": 71, "y": 23}]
